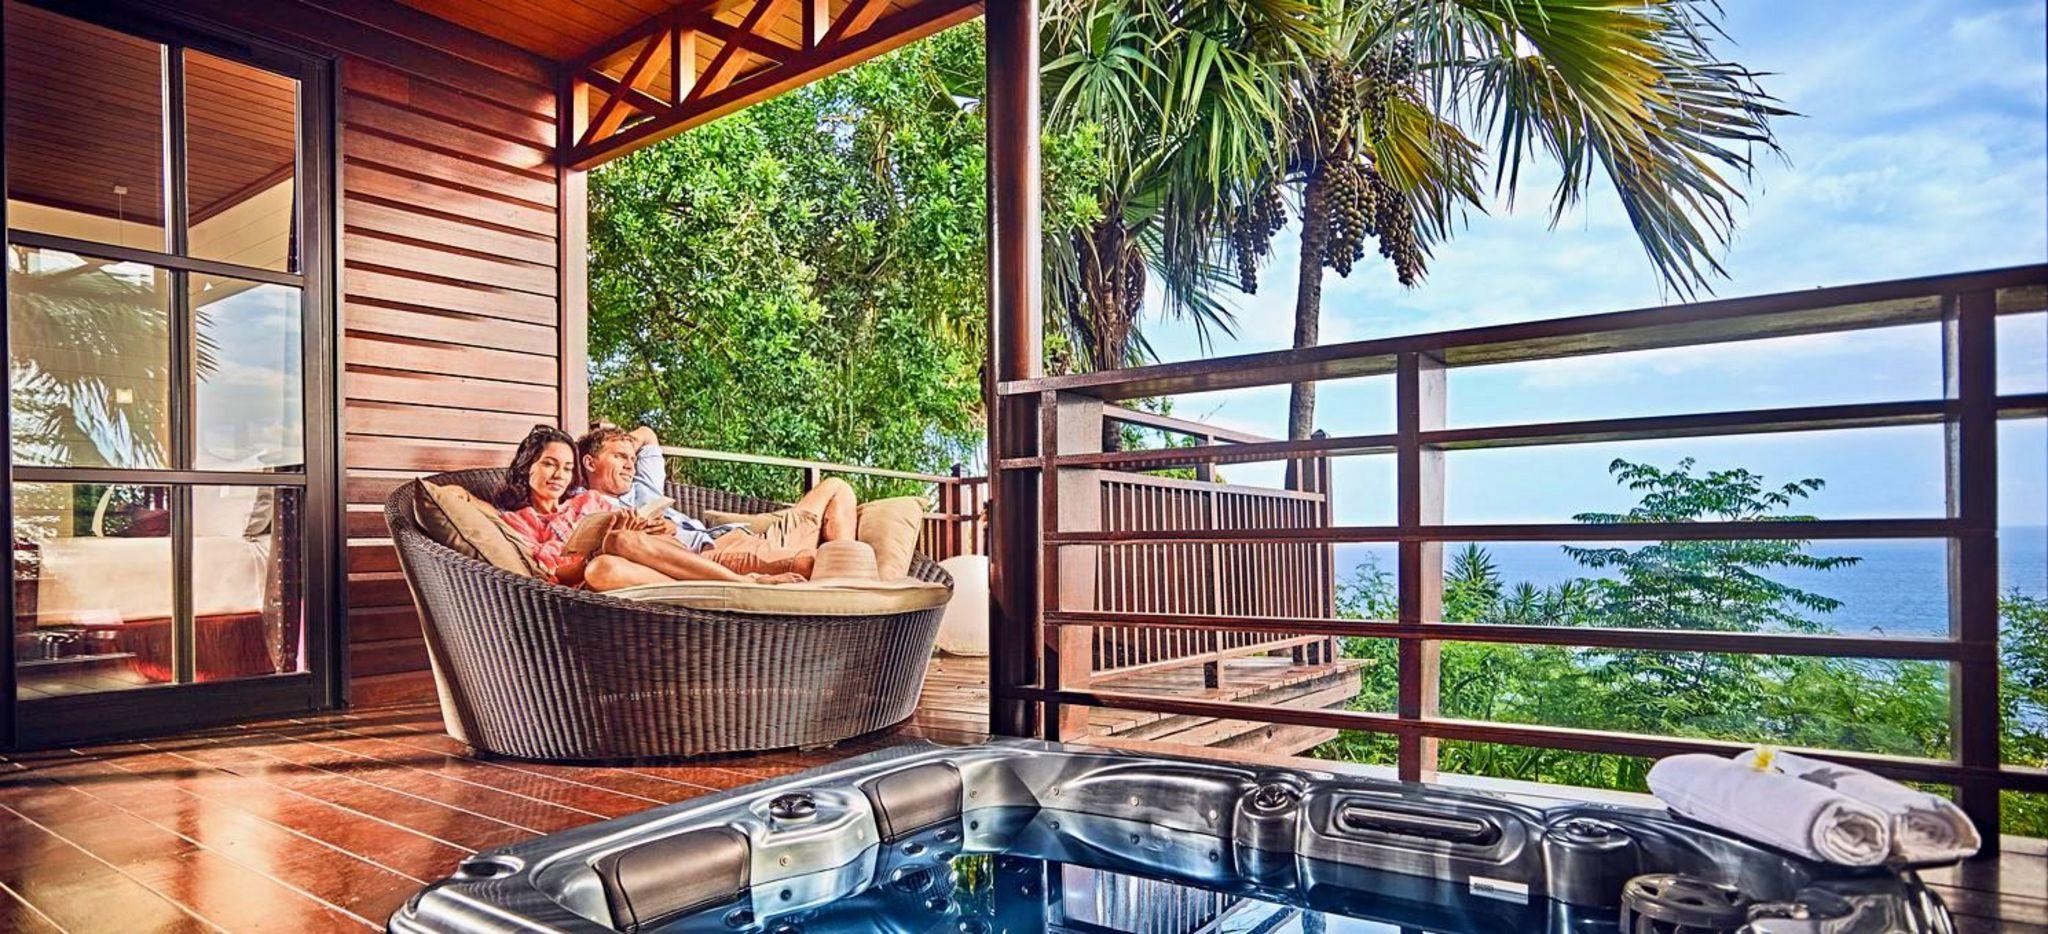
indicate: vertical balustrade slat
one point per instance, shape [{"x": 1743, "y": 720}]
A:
[
  {"x": 1969, "y": 361},
  {"x": 1419, "y": 405}
]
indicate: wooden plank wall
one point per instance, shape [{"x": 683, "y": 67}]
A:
[{"x": 452, "y": 297}]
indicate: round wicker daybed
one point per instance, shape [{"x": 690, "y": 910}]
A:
[{"x": 536, "y": 670}]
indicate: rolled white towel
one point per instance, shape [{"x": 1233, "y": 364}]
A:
[
  {"x": 1773, "y": 808},
  {"x": 1926, "y": 828}
]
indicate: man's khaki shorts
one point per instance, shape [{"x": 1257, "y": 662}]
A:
[{"x": 774, "y": 550}]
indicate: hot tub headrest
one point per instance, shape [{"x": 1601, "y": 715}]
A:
[
  {"x": 656, "y": 881},
  {"x": 909, "y": 800}
]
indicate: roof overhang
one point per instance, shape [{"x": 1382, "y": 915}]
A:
[{"x": 693, "y": 62}]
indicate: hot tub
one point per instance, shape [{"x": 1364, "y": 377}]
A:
[{"x": 1018, "y": 835}]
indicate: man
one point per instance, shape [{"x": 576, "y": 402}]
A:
[{"x": 629, "y": 465}]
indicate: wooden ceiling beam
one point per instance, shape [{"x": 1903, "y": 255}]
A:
[
  {"x": 725, "y": 66},
  {"x": 858, "y": 16},
  {"x": 613, "y": 112},
  {"x": 862, "y": 31},
  {"x": 765, "y": 46},
  {"x": 817, "y": 19},
  {"x": 641, "y": 100}
]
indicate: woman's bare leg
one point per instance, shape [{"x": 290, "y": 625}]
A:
[
  {"x": 836, "y": 505},
  {"x": 611, "y": 572},
  {"x": 665, "y": 555}
]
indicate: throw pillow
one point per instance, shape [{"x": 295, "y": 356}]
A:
[
  {"x": 891, "y": 528},
  {"x": 451, "y": 516}
]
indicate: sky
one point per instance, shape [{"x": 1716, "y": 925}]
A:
[{"x": 1921, "y": 147}]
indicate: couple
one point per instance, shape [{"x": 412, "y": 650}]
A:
[{"x": 623, "y": 471}]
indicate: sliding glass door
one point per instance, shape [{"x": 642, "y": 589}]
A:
[{"x": 169, "y": 375}]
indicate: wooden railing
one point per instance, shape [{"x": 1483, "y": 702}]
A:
[
  {"x": 958, "y": 526},
  {"x": 1038, "y": 688},
  {"x": 1243, "y": 579},
  {"x": 1204, "y": 578}
]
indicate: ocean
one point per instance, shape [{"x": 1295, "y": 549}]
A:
[{"x": 1900, "y": 588}]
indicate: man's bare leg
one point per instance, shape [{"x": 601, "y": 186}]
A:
[{"x": 836, "y": 505}]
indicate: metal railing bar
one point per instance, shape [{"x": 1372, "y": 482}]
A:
[
  {"x": 1807, "y": 530},
  {"x": 1596, "y": 637},
  {"x": 1902, "y": 768},
  {"x": 2024, "y": 405},
  {"x": 1230, "y": 453},
  {"x": 1839, "y": 308},
  {"x": 1588, "y": 431},
  {"x": 800, "y": 464},
  {"x": 1154, "y": 420},
  {"x": 1208, "y": 486},
  {"x": 1752, "y": 421}
]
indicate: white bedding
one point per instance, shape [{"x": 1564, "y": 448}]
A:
[{"x": 107, "y": 580}]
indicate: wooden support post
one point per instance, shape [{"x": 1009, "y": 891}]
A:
[
  {"x": 1327, "y": 514},
  {"x": 1014, "y": 354},
  {"x": 1419, "y": 477},
  {"x": 954, "y": 505},
  {"x": 1969, "y": 332},
  {"x": 1073, "y": 504},
  {"x": 572, "y": 261},
  {"x": 682, "y": 65},
  {"x": 817, "y": 19}
]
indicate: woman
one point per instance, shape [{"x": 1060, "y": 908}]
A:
[
  {"x": 635, "y": 551},
  {"x": 642, "y": 549}
]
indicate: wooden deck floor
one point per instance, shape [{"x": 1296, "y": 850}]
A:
[
  {"x": 956, "y": 698},
  {"x": 329, "y": 822}
]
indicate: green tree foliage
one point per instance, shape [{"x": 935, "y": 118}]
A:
[
  {"x": 1894, "y": 707},
  {"x": 807, "y": 278}
]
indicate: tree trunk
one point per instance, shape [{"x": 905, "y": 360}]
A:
[{"x": 1308, "y": 310}]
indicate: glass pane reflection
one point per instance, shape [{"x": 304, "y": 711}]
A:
[
  {"x": 248, "y": 601},
  {"x": 89, "y": 359},
  {"x": 248, "y": 412},
  {"x": 92, "y": 587},
  {"x": 85, "y": 130},
  {"x": 241, "y": 158}
]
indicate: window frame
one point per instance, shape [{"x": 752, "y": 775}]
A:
[{"x": 147, "y": 709}]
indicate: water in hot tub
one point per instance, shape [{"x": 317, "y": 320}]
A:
[{"x": 1049, "y": 879}]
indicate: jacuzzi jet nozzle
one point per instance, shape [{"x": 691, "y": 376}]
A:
[{"x": 796, "y": 805}]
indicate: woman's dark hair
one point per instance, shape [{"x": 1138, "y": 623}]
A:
[{"x": 518, "y": 491}]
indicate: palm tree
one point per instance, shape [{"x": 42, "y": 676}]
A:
[
  {"x": 1182, "y": 93},
  {"x": 1376, "y": 140}
]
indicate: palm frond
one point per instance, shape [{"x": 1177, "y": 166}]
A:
[{"x": 1631, "y": 91}]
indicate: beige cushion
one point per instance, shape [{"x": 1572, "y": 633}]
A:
[
  {"x": 837, "y": 598},
  {"x": 891, "y": 527},
  {"x": 783, "y": 528},
  {"x": 449, "y": 515}
]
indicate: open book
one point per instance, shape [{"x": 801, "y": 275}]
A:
[{"x": 588, "y": 535}]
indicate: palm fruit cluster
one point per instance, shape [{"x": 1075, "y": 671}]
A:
[
  {"x": 1385, "y": 74},
  {"x": 1366, "y": 203},
  {"x": 1351, "y": 192},
  {"x": 1395, "y": 223},
  {"x": 1252, "y": 227}
]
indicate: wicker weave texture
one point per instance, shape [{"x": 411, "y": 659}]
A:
[{"x": 536, "y": 670}]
